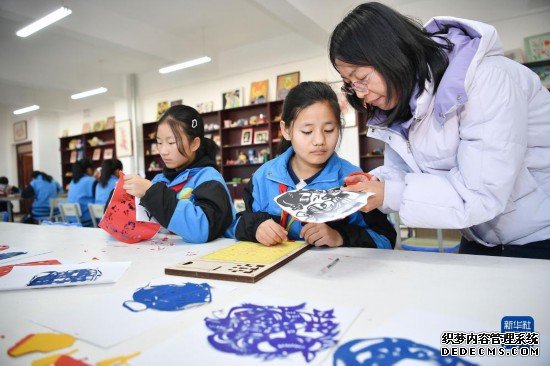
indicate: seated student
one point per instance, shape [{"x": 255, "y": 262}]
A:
[
  {"x": 6, "y": 190},
  {"x": 81, "y": 188},
  {"x": 311, "y": 128},
  {"x": 110, "y": 171},
  {"x": 42, "y": 187},
  {"x": 189, "y": 197}
]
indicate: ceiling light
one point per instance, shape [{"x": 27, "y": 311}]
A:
[
  {"x": 44, "y": 22},
  {"x": 26, "y": 109},
  {"x": 89, "y": 93},
  {"x": 186, "y": 64}
]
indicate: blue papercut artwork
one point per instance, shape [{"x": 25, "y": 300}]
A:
[
  {"x": 10, "y": 255},
  {"x": 169, "y": 297},
  {"x": 390, "y": 351},
  {"x": 270, "y": 332},
  {"x": 71, "y": 276}
]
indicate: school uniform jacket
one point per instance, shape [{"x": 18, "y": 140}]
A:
[
  {"x": 357, "y": 230},
  {"x": 102, "y": 194},
  {"x": 82, "y": 192},
  {"x": 476, "y": 154},
  {"x": 200, "y": 207},
  {"x": 41, "y": 190}
]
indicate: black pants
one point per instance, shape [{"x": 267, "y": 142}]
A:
[{"x": 538, "y": 249}]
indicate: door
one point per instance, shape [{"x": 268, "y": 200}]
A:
[{"x": 24, "y": 171}]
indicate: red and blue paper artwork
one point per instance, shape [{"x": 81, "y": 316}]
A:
[
  {"x": 391, "y": 351},
  {"x": 270, "y": 332},
  {"x": 62, "y": 277},
  {"x": 10, "y": 255},
  {"x": 120, "y": 221},
  {"x": 169, "y": 297}
]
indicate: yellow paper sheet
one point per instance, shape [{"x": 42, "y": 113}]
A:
[{"x": 248, "y": 252}]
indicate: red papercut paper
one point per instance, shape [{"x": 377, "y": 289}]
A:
[
  {"x": 120, "y": 218},
  {"x": 4, "y": 270}
]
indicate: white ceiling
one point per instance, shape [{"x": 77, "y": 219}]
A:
[{"x": 102, "y": 41}]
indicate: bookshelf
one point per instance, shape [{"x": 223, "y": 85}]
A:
[
  {"x": 371, "y": 151},
  {"x": 77, "y": 147}
]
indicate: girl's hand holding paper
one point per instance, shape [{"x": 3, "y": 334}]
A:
[{"x": 136, "y": 185}]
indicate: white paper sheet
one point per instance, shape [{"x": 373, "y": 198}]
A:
[
  {"x": 106, "y": 322},
  {"x": 14, "y": 255},
  {"x": 89, "y": 273},
  {"x": 192, "y": 347},
  {"x": 321, "y": 205},
  {"x": 142, "y": 214}
]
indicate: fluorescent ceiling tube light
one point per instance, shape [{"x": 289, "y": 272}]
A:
[
  {"x": 44, "y": 22},
  {"x": 89, "y": 93},
  {"x": 186, "y": 64},
  {"x": 26, "y": 109}
]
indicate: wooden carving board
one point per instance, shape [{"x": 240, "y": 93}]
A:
[{"x": 242, "y": 262}]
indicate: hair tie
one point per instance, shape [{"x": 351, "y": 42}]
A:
[{"x": 194, "y": 123}]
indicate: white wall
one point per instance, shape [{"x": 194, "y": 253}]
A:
[{"x": 513, "y": 31}]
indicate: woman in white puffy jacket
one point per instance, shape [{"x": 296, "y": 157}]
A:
[{"x": 467, "y": 131}]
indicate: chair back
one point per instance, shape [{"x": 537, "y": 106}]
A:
[
  {"x": 70, "y": 210},
  {"x": 96, "y": 212}
]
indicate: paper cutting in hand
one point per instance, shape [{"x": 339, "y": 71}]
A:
[
  {"x": 321, "y": 205},
  {"x": 120, "y": 221}
]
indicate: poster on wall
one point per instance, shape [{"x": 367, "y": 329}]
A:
[
  {"x": 20, "y": 131},
  {"x": 123, "y": 137},
  {"x": 232, "y": 98}
]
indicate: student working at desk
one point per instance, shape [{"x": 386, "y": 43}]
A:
[
  {"x": 311, "y": 127},
  {"x": 189, "y": 197},
  {"x": 41, "y": 189},
  {"x": 467, "y": 130}
]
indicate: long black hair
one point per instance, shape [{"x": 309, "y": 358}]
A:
[
  {"x": 46, "y": 177},
  {"x": 185, "y": 119},
  {"x": 108, "y": 168},
  {"x": 302, "y": 96},
  {"x": 80, "y": 168},
  {"x": 397, "y": 47}
]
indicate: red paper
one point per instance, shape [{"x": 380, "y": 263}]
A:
[
  {"x": 120, "y": 218},
  {"x": 4, "y": 270}
]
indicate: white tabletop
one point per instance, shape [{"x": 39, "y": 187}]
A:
[{"x": 384, "y": 283}]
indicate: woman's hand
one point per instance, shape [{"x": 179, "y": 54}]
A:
[
  {"x": 136, "y": 185},
  {"x": 270, "y": 233},
  {"x": 321, "y": 234},
  {"x": 374, "y": 186},
  {"x": 358, "y": 177}
]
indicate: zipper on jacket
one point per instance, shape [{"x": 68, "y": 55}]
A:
[{"x": 409, "y": 149}]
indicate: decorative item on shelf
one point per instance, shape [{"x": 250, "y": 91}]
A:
[
  {"x": 123, "y": 138},
  {"x": 154, "y": 149},
  {"x": 251, "y": 156},
  {"x": 65, "y": 133},
  {"x": 97, "y": 154},
  {"x": 210, "y": 126},
  {"x": 278, "y": 118},
  {"x": 162, "y": 107},
  {"x": 241, "y": 122},
  {"x": 176, "y": 102},
  {"x": 258, "y": 91},
  {"x": 217, "y": 140},
  {"x": 107, "y": 153},
  {"x": 544, "y": 73},
  {"x": 99, "y": 125},
  {"x": 79, "y": 154},
  {"x": 110, "y": 124},
  {"x": 147, "y": 152},
  {"x": 537, "y": 47},
  {"x": 208, "y": 136},
  {"x": 205, "y": 107},
  {"x": 85, "y": 127},
  {"x": 69, "y": 174},
  {"x": 154, "y": 166},
  {"x": 72, "y": 159},
  {"x": 245, "y": 180},
  {"x": 246, "y": 136},
  {"x": 218, "y": 160},
  {"x": 236, "y": 180},
  {"x": 264, "y": 153},
  {"x": 377, "y": 151},
  {"x": 95, "y": 141},
  {"x": 72, "y": 144},
  {"x": 152, "y": 135},
  {"x": 227, "y": 123},
  {"x": 286, "y": 82},
  {"x": 260, "y": 137},
  {"x": 516, "y": 55},
  {"x": 242, "y": 159},
  {"x": 261, "y": 118},
  {"x": 253, "y": 120},
  {"x": 232, "y": 98},
  {"x": 239, "y": 205}
]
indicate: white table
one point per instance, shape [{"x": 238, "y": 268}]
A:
[{"x": 383, "y": 283}]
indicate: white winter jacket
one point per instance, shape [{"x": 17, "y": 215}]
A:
[{"x": 477, "y": 157}]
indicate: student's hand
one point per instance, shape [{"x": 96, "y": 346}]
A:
[
  {"x": 136, "y": 185},
  {"x": 270, "y": 233},
  {"x": 321, "y": 234},
  {"x": 358, "y": 177},
  {"x": 376, "y": 187}
]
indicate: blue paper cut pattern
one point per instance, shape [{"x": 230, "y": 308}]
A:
[
  {"x": 270, "y": 332},
  {"x": 71, "y": 276},
  {"x": 10, "y": 255},
  {"x": 389, "y": 351},
  {"x": 169, "y": 297}
]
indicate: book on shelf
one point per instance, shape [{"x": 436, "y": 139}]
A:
[{"x": 108, "y": 154}]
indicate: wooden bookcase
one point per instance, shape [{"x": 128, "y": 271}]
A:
[
  {"x": 83, "y": 149},
  {"x": 371, "y": 151},
  {"x": 222, "y": 127}
]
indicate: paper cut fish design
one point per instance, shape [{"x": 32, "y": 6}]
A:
[
  {"x": 71, "y": 276},
  {"x": 41, "y": 342},
  {"x": 169, "y": 297}
]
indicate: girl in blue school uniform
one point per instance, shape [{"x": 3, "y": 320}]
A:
[
  {"x": 42, "y": 188},
  {"x": 110, "y": 171},
  {"x": 82, "y": 188},
  {"x": 189, "y": 197},
  {"x": 311, "y": 128}
]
